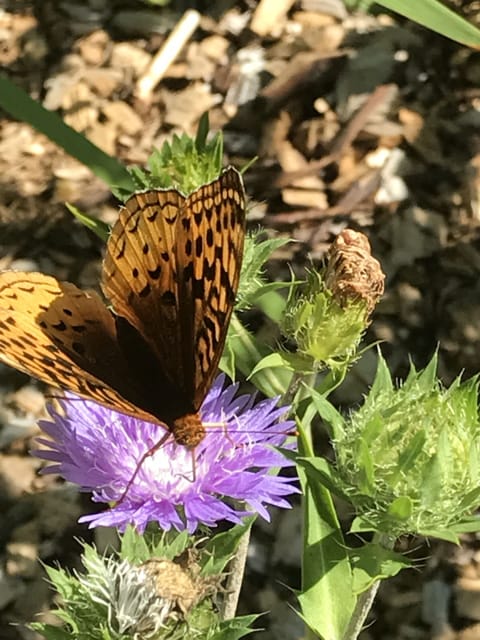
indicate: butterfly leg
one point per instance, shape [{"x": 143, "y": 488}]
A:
[{"x": 146, "y": 455}]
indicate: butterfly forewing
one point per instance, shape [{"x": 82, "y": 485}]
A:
[
  {"x": 209, "y": 252},
  {"x": 172, "y": 268},
  {"x": 66, "y": 337}
]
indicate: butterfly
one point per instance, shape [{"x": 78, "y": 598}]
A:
[{"x": 170, "y": 273}]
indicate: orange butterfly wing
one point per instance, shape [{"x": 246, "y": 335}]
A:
[
  {"x": 172, "y": 268},
  {"x": 66, "y": 337},
  {"x": 209, "y": 253}
]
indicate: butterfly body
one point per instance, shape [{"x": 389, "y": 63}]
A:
[{"x": 170, "y": 273}]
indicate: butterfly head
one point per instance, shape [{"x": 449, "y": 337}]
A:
[{"x": 188, "y": 430}]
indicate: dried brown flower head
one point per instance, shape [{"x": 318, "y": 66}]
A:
[
  {"x": 352, "y": 272},
  {"x": 179, "y": 581}
]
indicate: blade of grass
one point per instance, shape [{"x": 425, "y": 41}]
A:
[
  {"x": 19, "y": 104},
  {"x": 436, "y": 16}
]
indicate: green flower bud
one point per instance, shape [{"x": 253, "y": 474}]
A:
[
  {"x": 409, "y": 458},
  {"x": 328, "y": 318}
]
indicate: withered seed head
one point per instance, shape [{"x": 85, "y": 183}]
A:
[{"x": 352, "y": 272}]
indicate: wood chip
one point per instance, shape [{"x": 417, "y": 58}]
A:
[{"x": 270, "y": 15}]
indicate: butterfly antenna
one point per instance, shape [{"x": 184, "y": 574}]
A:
[{"x": 146, "y": 455}]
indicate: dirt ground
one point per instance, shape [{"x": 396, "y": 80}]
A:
[{"x": 357, "y": 120}]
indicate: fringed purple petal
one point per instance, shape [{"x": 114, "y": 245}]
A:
[{"x": 226, "y": 478}]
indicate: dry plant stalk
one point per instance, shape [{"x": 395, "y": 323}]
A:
[{"x": 172, "y": 46}]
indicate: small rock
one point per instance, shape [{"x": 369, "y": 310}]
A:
[
  {"x": 103, "y": 81},
  {"x": 29, "y": 400},
  {"x": 215, "y": 47},
  {"x": 127, "y": 56},
  {"x": 184, "y": 108},
  {"x": 17, "y": 473},
  {"x": 123, "y": 116},
  {"x": 103, "y": 135},
  {"x": 22, "y": 559},
  {"x": 93, "y": 48}
]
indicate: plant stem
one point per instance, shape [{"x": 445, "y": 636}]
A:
[
  {"x": 235, "y": 578},
  {"x": 239, "y": 560},
  {"x": 366, "y": 598}
]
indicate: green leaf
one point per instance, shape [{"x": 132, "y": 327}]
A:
[
  {"x": 220, "y": 549},
  {"x": 202, "y": 133},
  {"x": 428, "y": 377},
  {"x": 101, "y": 229},
  {"x": 442, "y": 534},
  {"x": 133, "y": 546},
  {"x": 319, "y": 471},
  {"x": 431, "y": 485},
  {"x": 361, "y": 524},
  {"x": 366, "y": 470},
  {"x": 235, "y": 628},
  {"x": 409, "y": 455},
  {"x": 401, "y": 508},
  {"x": 19, "y": 104},
  {"x": 436, "y": 16},
  {"x": 467, "y": 525},
  {"x": 327, "y": 412},
  {"x": 247, "y": 352},
  {"x": 470, "y": 501},
  {"x": 382, "y": 382},
  {"x": 373, "y": 562},
  {"x": 271, "y": 361},
  {"x": 50, "y": 632},
  {"x": 327, "y": 600}
]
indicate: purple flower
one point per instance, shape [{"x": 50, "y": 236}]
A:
[{"x": 226, "y": 477}]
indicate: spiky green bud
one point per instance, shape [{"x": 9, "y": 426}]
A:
[
  {"x": 409, "y": 458},
  {"x": 327, "y": 319}
]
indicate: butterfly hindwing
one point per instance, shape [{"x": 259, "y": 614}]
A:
[{"x": 65, "y": 337}]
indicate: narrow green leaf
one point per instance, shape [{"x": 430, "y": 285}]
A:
[
  {"x": 436, "y": 16},
  {"x": 50, "y": 632},
  {"x": 468, "y": 525},
  {"x": 366, "y": 475},
  {"x": 382, "y": 381},
  {"x": 271, "y": 361},
  {"x": 235, "y": 628},
  {"x": 327, "y": 600},
  {"x": 247, "y": 353},
  {"x": 19, "y": 104},
  {"x": 101, "y": 229},
  {"x": 328, "y": 413},
  {"x": 407, "y": 458},
  {"x": 202, "y": 132},
  {"x": 319, "y": 471},
  {"x": 442, "y": 534}
]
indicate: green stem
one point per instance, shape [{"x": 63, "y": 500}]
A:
[
  {"x": 366, "y": 598},
  {"x": 238, "y": 562},
  {"x": 247, "y": 355}
]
